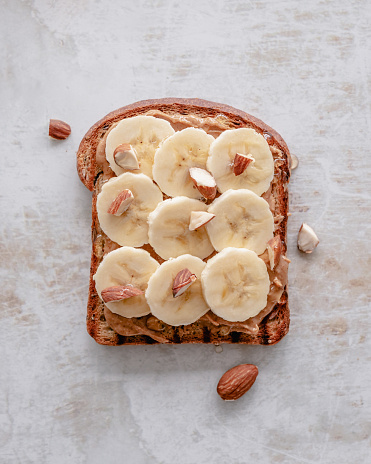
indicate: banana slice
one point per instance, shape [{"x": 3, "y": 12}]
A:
[
  {"x": 126, "y": 266},
  {"x": 235, "y": 284},
  {"x": 185, "y": 149},
  {"x": 144, "y": 134},
  {"x": 130, "y": 228},
  {"x": 242, "y": 220},
  {"x": 257, "y": 176},
  {"x": 185, "y": 308},
  {"x": 169, "y": 232}
]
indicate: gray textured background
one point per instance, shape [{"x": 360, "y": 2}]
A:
[{"x": 302, "y": 67}]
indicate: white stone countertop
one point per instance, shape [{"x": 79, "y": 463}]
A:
[{"x": 302, "y": 67}]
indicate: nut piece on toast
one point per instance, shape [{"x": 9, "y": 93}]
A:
[
  {"x": 121, "y": 203},
  {"x": 241, "y": 162},
  {"x": 119, "y": 293},
  {"x": 274, "y": 247},
  {"x": 125, "y": 157},
  {"x": 204, "y": 182},
  {"x": 183, "y": 280},
  {"x": 199, "y": 219}
]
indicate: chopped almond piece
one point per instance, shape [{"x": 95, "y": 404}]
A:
[
  {"x": 125, "y": 157},
  {"x": 204, "y": 182},
  {"x": 183, "y": 280},
  {"x": 121, "y": 203},
  {"x": 199, "y": 219},
  {"x": 120, "y": 292},
  {"x": 307, "y": 239},
  {"x": 241, "y": 162},
  {"x": 274, "y": 247}
]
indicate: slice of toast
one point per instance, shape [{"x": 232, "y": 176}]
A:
[{"x": 107, "y": 328}]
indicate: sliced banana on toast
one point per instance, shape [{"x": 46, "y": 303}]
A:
[
  {"x": 235, "y": 284},
  {"x": 242, "y": 220},
  {"x": 129, "y": 228},
  {"x": 241, "y": 159},
  {"x": 185, "y": 149},
  {"x": 143, "y": 134},
  {"x": 127, "y": 267},
  {"x": 165, "y": 304},
  {"x": 169, "y": 232}
]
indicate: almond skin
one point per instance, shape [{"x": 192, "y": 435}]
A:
[
  {"x": 241, "y": 162},
  {"x": 120, "y": 292},
  {"x": 183, "y": 280},
  {"x": 125, "y": 157},
  {"x": 121, "y": 203},
  {"x": 237, "y": 381},
  {"x": 207, "y": 192},
  {"x": 204, "y": 182},
  {"x": 59, "y": 130},
  {"x": 199, "y": 219},
  {"x": 274, "y": 247}
]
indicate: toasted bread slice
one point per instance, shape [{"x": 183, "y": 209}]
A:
[{"x": 108, "y": 328}]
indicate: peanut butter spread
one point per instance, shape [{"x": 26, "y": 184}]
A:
[{"x": 150, "y": 325}]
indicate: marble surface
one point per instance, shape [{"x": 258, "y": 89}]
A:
[{"x": 302, "y": 67}]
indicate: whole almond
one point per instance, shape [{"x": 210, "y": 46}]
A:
[
  {"x": 59, "y": 130},
  {"x": 237, "y": 381}
]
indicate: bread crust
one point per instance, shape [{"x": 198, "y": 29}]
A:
[{"x": 273, "y": 327}]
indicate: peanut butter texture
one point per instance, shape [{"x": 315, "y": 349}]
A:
[{"x": 278, "y": 276}]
